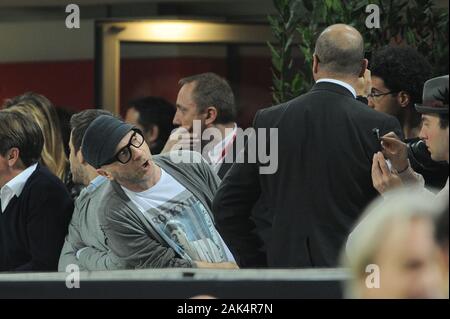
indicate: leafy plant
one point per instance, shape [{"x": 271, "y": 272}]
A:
[
  {"x": 412, "y": 22},
  {"x": 284, "y": 24}
]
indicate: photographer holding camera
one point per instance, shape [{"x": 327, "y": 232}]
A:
[
  {"x": 394, "y": 86},
  {"x": 434, "y": 134}
]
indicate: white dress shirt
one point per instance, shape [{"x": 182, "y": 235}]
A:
[
  {"x": 15, "y": 186},
  {"x": 341, "y": 83},
  {"x": 218, "y": 153}
]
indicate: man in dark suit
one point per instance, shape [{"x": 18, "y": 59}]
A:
[
  {"x": 323, "y": 180},
  {"x": 35, "y": 207}
]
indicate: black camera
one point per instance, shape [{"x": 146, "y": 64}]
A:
[
  {"x": 434, "y": 173},
  {"x": 376, "y": 134},
  {"x": 419, "y": 156}
]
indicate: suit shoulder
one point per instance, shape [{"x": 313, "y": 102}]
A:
[
  {"x": 273, "y": 113},
  {"x": 376, "y": 115}
]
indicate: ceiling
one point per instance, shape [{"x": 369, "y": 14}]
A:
[
  {"x": 41, "y": 3},
  {"x": 34, "y": 10},
  {"x": 230, "y": 10}
]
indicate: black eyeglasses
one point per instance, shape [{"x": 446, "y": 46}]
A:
[
  {"x": 375, "y": 95},
  {"x": 124, "y": 154}
]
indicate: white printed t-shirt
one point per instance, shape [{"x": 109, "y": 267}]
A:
[{"x": 182, "y": 220}]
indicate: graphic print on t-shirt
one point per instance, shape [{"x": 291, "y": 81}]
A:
[
  {"x": 186, "y": 222},
  {"x": 181, "y": 220}
]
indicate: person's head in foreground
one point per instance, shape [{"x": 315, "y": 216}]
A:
[
  {"x": 44, "y": 114},
  {"x": 398, "y": 76},
  {"x": 82, "y": 172},
  {"x": 442, "y": 229},
  {"x": 434, "y": 110},
  {"x": 339, "y": 54},
  {"x": 21, "y": 143},
  {"x": 119, "y": 152},
  {"x": 392, "y": 252}
]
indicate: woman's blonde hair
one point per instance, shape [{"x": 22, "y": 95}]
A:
[
  {"x": 395, "y": 212},
  {"x": 43, "y": 112}
]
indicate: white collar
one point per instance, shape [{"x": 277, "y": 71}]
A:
[
  {"x": 341, "y": 83},
  {"x": 216, "y": 154},
  {"x": 15, "y": 186}
]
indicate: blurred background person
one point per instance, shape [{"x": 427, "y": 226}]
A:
[
  {"x": 153, "y": 116},
  {"x": 392, "y": 253},
  {"x": 64, "y": 115},
  {"x": 442, "y": 229},
  {"x": 397, "y": 80},
  {"x": 43, "y": 111},
  {"x": 398, "y": 76}
]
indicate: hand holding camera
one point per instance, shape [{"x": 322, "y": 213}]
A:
[
  {"x": 391, "y": 159},
  {"x": 396, "y": 151}
]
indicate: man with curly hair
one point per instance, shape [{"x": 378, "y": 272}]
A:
[{"x": 398, "y": 76}]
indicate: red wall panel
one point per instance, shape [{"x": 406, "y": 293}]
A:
[
  {"x": 68, "y": 83},
  {"x": 141, "y": 77},
  {"x": 71, "y": 83}
]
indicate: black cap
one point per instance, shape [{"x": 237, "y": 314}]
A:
[
  {"x": 435, "y": 96},
  {"x": 101, "y": 139}
]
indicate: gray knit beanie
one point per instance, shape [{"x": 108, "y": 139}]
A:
[{"x": 101, "y": 139}]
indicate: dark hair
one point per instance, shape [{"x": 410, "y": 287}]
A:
[
  {"x": 43, "y": 104},
  {"x": 64, "y": 116},
  {"x": 402, "y": 69},
  {"x": 80, "y": 122},
  {"x": 155, "y": 111},
  {"x": 442, "y": 228},
  {"x": 337, "y": 57},
  {"x": 213, "y": 90},
  {"x": 44, "y": 112},
  {"x": 19, "y": 130},
  {"x": 443, "y": 121}
]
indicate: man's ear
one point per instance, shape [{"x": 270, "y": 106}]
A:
[
  {"x": 105, "y": 173},
  {"x": 152, "y": 134},
  {"x": 211, "y": 116},
  {"x": 13, "y": 156},
  {"x": 315, "y": 66},
  {"x": 80, "y": 157},
  {"x": 364, "y": 66},
  {"x": 403, "y": 99}
]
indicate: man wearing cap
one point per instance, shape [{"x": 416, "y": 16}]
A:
[
  {"x": 147, "y": 194},
  {"x": 434, "y": 133}
]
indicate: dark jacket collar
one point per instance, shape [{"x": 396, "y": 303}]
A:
[{"x": 328, "y": 86}]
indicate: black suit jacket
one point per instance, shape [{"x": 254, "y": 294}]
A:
[
  {"x": 323, "y": 181},
  {"x": 230, "y": 158},
  {"x": 34, "y": 225}
]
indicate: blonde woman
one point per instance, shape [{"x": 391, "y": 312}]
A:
[
  {"x": 44, "y": 113},
  {"x": 392, "y": 253}
]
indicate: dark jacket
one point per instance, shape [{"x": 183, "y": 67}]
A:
[
  {"x": 230, "y": 157},
  {"x": 323, "y": 181},
  {"x": 33, "y": 226}
]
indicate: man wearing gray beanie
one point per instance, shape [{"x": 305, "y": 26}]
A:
[{"x": 155, "y": 213}]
